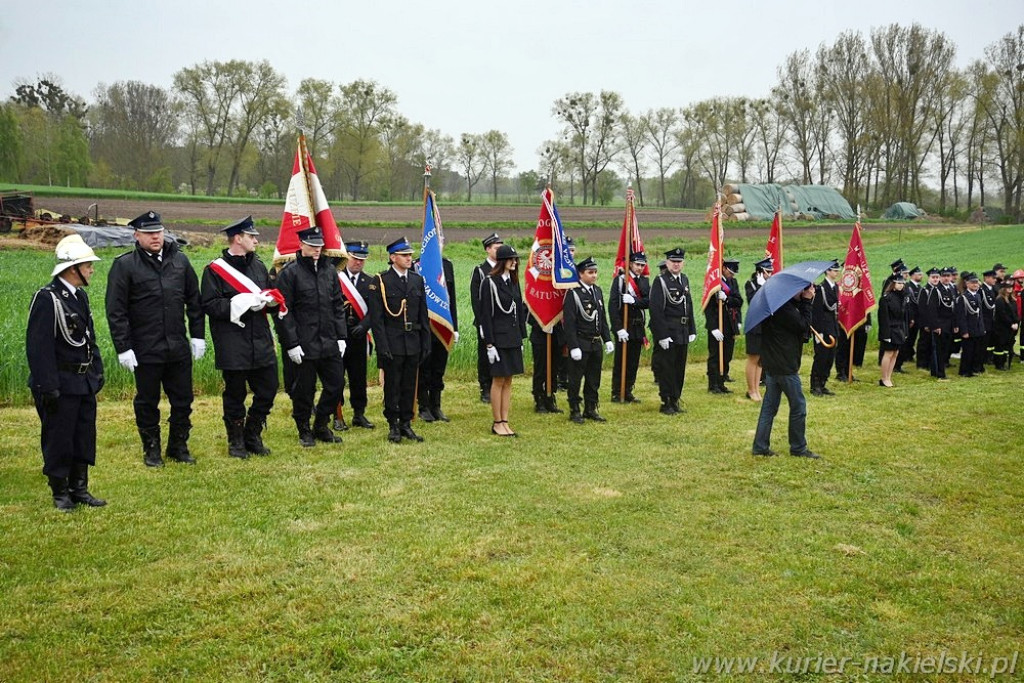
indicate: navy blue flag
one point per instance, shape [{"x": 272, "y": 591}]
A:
[{"x": 431, "y": 268}]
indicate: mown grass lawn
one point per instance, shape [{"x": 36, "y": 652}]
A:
[{"x": 615, "y": 551}]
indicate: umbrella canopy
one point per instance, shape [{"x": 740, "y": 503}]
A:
[{"x": 780, "y": 288}]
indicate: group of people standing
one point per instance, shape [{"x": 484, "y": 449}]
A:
[{"x": 329, "y": 317}]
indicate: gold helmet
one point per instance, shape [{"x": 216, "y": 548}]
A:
[{"x": 71, "y": 251}]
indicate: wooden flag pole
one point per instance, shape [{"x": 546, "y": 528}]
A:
[
  {"x": 721, "y": 344},
  {"x": 551, "y": 390}
]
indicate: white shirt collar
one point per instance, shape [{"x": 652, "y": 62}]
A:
[{"x": 71, "y": 287}]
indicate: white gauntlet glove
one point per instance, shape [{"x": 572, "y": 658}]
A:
[
  {"x": 198, "y": 348},
  {"x": 127, "y": 360},
  {"x": 296, "y": 355},
  {"x": 622, "y": 335},
  {"x": 722, "y": 296},
  {"x": 717, "y": 334},
  {"x": 342, "y": 345},
  {"x": 609, "y": 347},
  {"x": 575, "y": 354},
  {"x": 628, "y": 298},
  {"x": 665, "y": 343}
]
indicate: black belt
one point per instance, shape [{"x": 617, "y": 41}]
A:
[
  {"x": 76, "y": 368},
  {"x": 682, "y": 321},
  {"x": 409, "y": 327}
]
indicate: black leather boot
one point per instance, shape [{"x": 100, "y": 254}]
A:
[
  {"x": 574, "y": 413},
  {"x": 406, "y": 430},
  {"x": 339, "y": 423},
  {"x": 540, "y": 404},
  {"x": 252, "y": 435},
  {"x": 78, "y": 486},
  {"x": 359, "y": 420},
  {"x": 590, "y": 413},
  {"x": 321, "y": 432},
  {"x": 151, "y": 447},
  {"x": 61, "y": 496},
  {"x": 553, "y": 405},
  {"x": 305, "y": 433},
  {"x": 177, "y": 444},
  {"x": 236, "y": 438},
  {"x": 394, "y": 434},
  {"x": 713, "y": 385},
  {"x": 436, "y": 410}
]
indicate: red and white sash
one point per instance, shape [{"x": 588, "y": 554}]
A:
[
  {"x": 243, "y": 284},
  {"x": 348, "y": 288}
]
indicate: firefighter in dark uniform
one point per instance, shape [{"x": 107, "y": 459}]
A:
[
  {"x": 673, "y": 329},
  {"x": 631, "y": 333},
  {"x": 401, "y": 331},
  {"x": 151, "y": 291},
  {"x": 314, "y": 335},
  {"x": 357, "y": 320},
  {"x": 476, "y": 282},
  {"x": 970, "y": 325},
  {"x": 232, "y": 291},
  {"x": 913, "y": 294},
  {"x": 935, "y": 310},
  {"x": 989, "y": 291},
  {"x": 431, "y": 382},
  {"x": 732, "y": 304},
  {"x": 544, "y": 400},
  {"x": 65, "y": 374},
  {"x": 586, "y": 335},
  {"x": 824, "y": 318},
  {"x": 924, "y": 350}
]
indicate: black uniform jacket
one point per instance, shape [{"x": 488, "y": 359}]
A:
[
  {"x": 892, "y": 317},
  {"x": 784, "y": 334},
  {"x": 968, "y": 314},
  {"x": 731, "y": 308},
  {"x": 1005, "y": 317},
  {"x": 580, "y": 333},
  {"x": 238, "y": 348},
  {"x": 316, "y": 311},
  {"x": 480, "y": 274},
  {"x": 935, "y": 309},
  {"x": 824, "y": 309},
  {"x": 637, "y": 318},
  {"x": 54, "y": 362},
  {"x": 357, "y": 328},
  {"x": 672, "y": 309},
  {"x": 503, "y": 330},
  {"x": 400, "y": 331},
  {"x": 148, "y": 301},
  {"x": 449, "y": 284}
]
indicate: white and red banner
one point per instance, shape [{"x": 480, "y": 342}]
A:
[
  {"x": 630, "y": 244},
  {"x": 305, "y": 206},
  {"x": 713, "y": 273},
  {"x": 243, "y": 284}
]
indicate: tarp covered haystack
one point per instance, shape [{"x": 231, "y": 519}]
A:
[
  {"x": 759, "y": 202},
  {"x": 903, "y": 211}
]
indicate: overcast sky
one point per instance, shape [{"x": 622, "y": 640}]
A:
[{"x": 465, "y": 66}]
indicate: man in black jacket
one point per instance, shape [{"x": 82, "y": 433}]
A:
[
  {"x": 65, "y": 374},
  {"x": 151, "y": 290},
  {"x": 586, "y": 335},
  {"x": 636, "y": 296},
  {"x": 784, "y": 334},
  {"x": 234, "y": 294},
  {"x": 732, "y": 302},
  {"x": 401, "y": 330},
  {"x": 313, "y": 334},
  {"x": 824, "y": 318},
  {"x": 673, "y": 328},
  {"x": 355, "y": 285}
]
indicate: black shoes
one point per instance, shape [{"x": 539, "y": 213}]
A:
[
  {"x": 439, "y": 414},
  {"x": 339, "y": 424},
  {"x": 61, "y": 495},
  {"x": 78, "y": 487},
  {"x": 306, "y": 439},
  {"x": 592, "y": 414},
  {"x": 394, "y": 435},
  {"x": 177, "y": 445},
  {"x": 359, "y": 420},
  {"x": 575, "y": 416},
  {"x": 236, "y": 438},
  {"x": 151, "y": 447},
  {"x": 426, "y": 415},
  {"x": 405, "y": 429},
  {"x": 252, "y": 434},
  {"x": 485, "y": 395},
  {"x": 321, "y": 432},
  {"x": 806, "y": 454},
  {"x": 765, "y": 454}
]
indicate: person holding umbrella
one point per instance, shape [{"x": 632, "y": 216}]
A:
[{"x": 782, "y": 308}]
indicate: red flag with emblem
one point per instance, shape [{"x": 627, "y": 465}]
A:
[
  {"x": 551, "y": 269},
  {"x": 856, "y": 295},
  {"x": 713, "y": 274},
  {"x": 305, "y": 206}
]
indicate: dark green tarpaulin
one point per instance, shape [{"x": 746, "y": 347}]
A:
[
  {"x": 761, "y": 201},
  {"x": 903, "y": 210}
]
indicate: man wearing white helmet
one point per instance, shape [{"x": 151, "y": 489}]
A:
[{"x": 65, "y": 374}]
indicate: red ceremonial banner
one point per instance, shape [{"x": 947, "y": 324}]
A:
[
  {"x": 305, "y": 206},
  {"x": 713, "y": 274},
  {"x": 544, "y": 291},
  {"x": 856, "y": 295},
  {"x": 773, "y": 249}
]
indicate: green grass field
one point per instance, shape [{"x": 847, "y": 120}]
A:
[{"x": 616, "y": 551}]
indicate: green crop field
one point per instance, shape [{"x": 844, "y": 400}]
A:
[{"x": 640, "y": 549}]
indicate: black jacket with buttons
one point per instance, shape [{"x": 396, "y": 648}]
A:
[{"x": 316, "y": 309}]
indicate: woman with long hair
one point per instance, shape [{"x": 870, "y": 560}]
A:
[
  {"x": 762, "y": 271},
  {"x": 892, "y": 326},
  {"x": 1006, "y": 322},
  {"x": 503, "y": 319}
]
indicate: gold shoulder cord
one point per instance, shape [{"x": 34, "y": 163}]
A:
[{"x": 384, "y": 300}]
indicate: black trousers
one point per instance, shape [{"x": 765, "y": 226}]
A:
[
  {"x": 669, "y": 367},
  {"x": 728, "y": 344},
  {"x": 332, "y": 380},
  {"x": 842, "y": 355},
  {"x": 972, "y": 351},
  {"x": 633, "y": 348},
  {"x": 539, "y": 345},
  {"x": 924, "y": 350},
  {"x": 906, "y": 353},
  {"x": 432, "y": 374},
  {"x": 262, "y": 382},
  {"x": 400, "y": 374},
  {"x": 355, "y": 362},
  {"x": 821, "y": 368},
  {"x": 941, "y": 344},
  {"x": 483, "y": 366},
  {"x": 68, "y": 435},
  {"x": 586, "y": 371},
  {"x": 176, "y": 379}
]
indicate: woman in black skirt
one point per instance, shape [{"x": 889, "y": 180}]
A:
[
  {"x": 763, "y": 271},
  {"x": 504, "y": 328},
  {"x": 892, "y": 326},
  {"x": 1006, "y": 322}
]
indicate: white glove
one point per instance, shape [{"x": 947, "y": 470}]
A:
[
  {"x": 722, "y": 296},
  {"x": 127, "y": 360},
  {"x": 492, "y": 355},
  {"x": 760, "y": 279},
  {"x": 665, "y": 343},
  {"x": 342, "y": 346},
  {"x": 628, "y": 298},
  {"x": 296, "y": 355},
  {"x": 575, "y": 354},
  {"x": 717, "y": 334},
  {"x": 198, "y": 348},
  {"x": 609, "y": 347},
  {"x": 622, "y": 335},
  {"x": 456, "y": 337},
  {"x": 692, "y": 338}
]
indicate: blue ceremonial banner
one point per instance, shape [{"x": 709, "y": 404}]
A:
[
  {"x": 564, "y": 273},
  {"x": 432, "y": 269}
]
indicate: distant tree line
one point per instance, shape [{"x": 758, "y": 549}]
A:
[{"x": 885, "y": 117}]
